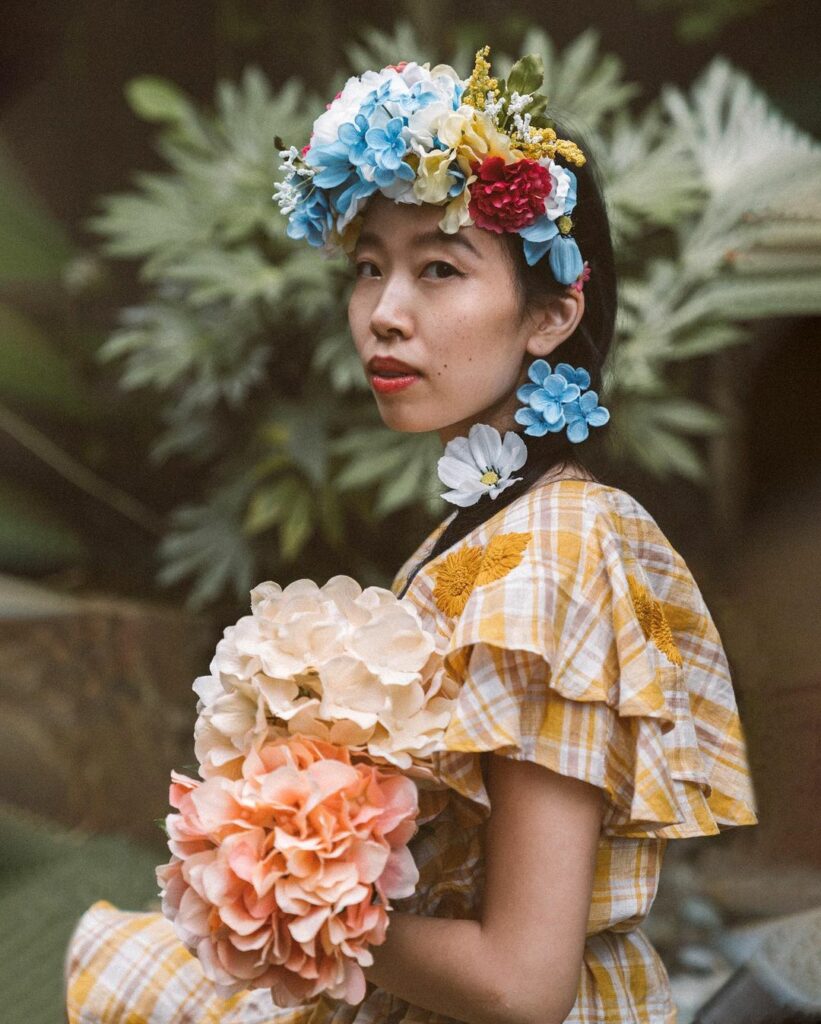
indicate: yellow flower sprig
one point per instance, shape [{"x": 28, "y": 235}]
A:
[
  {"x": 480, "y": 81},
  {"x": 542, "y": 140}
]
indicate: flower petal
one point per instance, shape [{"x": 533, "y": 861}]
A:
[
  {"x": 577, "y": 431},
  {"x": 598, "y": 417},
  {"x": 514, "y": 453},
  {"x": 527, "y": 417},
  {"x": 485, "y": 445},
  {"x": 538, "y": 370},
  {"x": 525, "y": 391},
  {"x": 454, "y": 472}
]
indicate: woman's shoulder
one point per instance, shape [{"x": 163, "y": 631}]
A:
[
  {"x": 565, "y": 533},
  {"x": 571, "y": 520},
  {"x": 567, "y": 500}
]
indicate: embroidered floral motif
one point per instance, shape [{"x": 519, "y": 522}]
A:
[
  {"x": 468, "y": 567},
  {"x": 653, "y": 621},
  {"x": 502, "y": 554},
  {"x": 455, "y": 578}
]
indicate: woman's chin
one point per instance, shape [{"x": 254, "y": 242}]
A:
[{"x": 407, "y": 420}]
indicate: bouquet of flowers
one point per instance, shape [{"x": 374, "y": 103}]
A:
[{"x": 321, "y": 709}]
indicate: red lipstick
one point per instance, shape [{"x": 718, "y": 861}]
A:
[{"x": 389, "y": 375}]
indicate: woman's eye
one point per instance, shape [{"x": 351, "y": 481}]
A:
[
  {"x": 443, "y": 269},
  {"x": 364, "y": 268}
]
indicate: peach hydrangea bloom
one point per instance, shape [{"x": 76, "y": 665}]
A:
[
  {"x": 348, "y": 666},
  {"x": 282, "y": 878}
]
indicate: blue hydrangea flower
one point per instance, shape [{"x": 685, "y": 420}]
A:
[
  {"x": 312, "y": 219},
  {"x": 385, "y": 177},
  {"x": 351, "y": 192},
  {"x": 583, "y": 414},
  {"x": 375, "y": 98},
  {"x": 387, "y": 147},
  {"x": 332, "y": 161},
  {"x": 546, "y": 399},
  {"x": 538, "y": 238},
  {"x": 534, "y": 423},
  {"x": 565, "y": 260},
  {"x": 418, "y": 96},
  {"x": 578, "y": 376},
  {"x": 352, "y": 135}
]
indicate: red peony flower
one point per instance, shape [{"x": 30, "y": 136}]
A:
[{"x": 506, "y": 197}]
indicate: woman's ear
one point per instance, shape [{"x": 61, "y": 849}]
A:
[{"x": 556, "y": 320}]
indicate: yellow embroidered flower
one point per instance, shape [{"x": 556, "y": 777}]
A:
[
  {"x": 469, "y": 567},
  {"x": 502, "y": 554},
  {"x": 653, "y": 621},
  {"x": 455, "y": 578}
]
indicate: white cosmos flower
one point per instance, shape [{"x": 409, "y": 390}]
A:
[{"x": 481, "y": 463}]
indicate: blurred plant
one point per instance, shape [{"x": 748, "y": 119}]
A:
[
  {"x": 713, "y": 199},
  {"x": 701, "y": 19},
  {"x": 44, "y": 391}
]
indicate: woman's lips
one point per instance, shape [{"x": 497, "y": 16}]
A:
[{"x": 388, "y": 385}]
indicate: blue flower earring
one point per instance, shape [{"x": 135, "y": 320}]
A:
[{"x": 554, "y": 401}]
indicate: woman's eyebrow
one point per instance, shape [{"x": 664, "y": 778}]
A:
[
  {"x": 441, "y": 237},
  {"x": 423, "y": 238},
  {"x": 369, "y": 238}
]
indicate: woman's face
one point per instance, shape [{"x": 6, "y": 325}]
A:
[{"x": 437, "y": 323}]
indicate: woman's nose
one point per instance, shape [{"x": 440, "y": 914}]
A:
[{"x": 392, "y": 314}]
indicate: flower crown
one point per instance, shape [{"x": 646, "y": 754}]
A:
[{"x": 482, "y": 148}]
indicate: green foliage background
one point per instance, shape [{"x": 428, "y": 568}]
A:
[
  {"x": 237, "y": 369},
  {"x": 243, "y": 331}
]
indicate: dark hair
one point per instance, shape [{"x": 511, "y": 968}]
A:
[{"x": 588, "y": 346}]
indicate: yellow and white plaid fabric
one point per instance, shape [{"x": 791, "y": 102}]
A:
[{"x": 581, "y": 642}]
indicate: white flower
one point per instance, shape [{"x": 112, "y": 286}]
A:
[
  {"x": 562, "y": 179},
  {"x": 481, "y": 463},
  {"x": 343, "y": 664},
  {"x": 344, "y": 107}
]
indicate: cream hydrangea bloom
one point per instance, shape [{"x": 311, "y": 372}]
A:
[{"x": 349, "y": 666}]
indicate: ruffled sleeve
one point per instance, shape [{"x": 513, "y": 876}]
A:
[{"x": 581, "y": 642}]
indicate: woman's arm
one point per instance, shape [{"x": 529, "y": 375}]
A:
[{"x": 520, "y": 964}]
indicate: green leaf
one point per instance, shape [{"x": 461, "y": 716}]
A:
[
  {"x": 329, "y": 510},
  {"x": 207, "y": 544},
  {"x": 402, "y": 489},
  {"x": 526, "y": 75},
  {"x": 307, "y": 436},
  {"x": 270, "y": 504},
  {"x": 34, "y": 373},
  {"x": 536, "y": 108},
  {"x": 298, "y": 526},
  {"x": 157, "y": 99},
  {"x": 33, "y": 245},
  {"x": 687, "y": 417},
  {"x": 367, "y": 470}
]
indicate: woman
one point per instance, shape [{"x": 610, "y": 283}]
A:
[{"x": 595, "y": 719}]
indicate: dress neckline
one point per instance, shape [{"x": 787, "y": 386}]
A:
[{"x": 423, "y": 550}]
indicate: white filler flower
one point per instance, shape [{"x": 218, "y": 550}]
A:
[{"x": 481, "y": 463}]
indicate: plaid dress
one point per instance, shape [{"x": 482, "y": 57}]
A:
[{"x": 580, "y": 642}]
